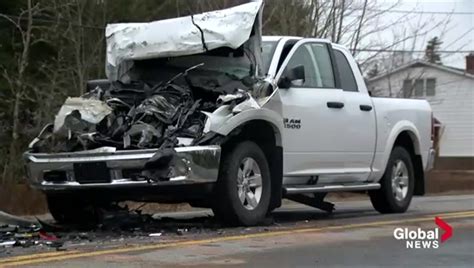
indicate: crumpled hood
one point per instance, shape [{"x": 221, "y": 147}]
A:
[{"x": 182, "y": 36}]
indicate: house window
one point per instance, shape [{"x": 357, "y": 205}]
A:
[
  {"x": 430, "y": 86},
  {"x": 419, "y": 83},
  {"x": 419, "y": 88},
  {"x": 407, "y": 87}
]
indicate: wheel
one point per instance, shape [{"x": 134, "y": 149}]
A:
[
  {"x": 397, "y": 184},
  {"x": 70, "y": 210},
  {"x": 243, "y": 188}
]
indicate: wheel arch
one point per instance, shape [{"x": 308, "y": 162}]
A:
[
  {"x": 244, "y": 118},
  {"x": 406, "y": 135},
  {"x": 267, "y": 135}
]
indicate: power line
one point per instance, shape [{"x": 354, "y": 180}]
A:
[
  {"x": 412, "y": 51},
  {"x": 415, "y": 11},
  {"x": 460, "y": 37}
]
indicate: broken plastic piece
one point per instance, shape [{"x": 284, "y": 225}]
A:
[
  {"x": 185, "y": 141},
  {"x": 88, "y": 110},
  {"x": 238, "y": 97},
  {"x": 45, "y": 236},
  {"x": 181, "y": 231},
  {"x": 7, "y": 243},
  {"x": 155, "y": 235}
]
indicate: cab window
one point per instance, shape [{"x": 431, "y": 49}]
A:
[
  {"x": 348, "y": 82},
  {"x": 315, "y": 59}
]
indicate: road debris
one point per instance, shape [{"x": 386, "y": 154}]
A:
[
  {"x": 7, "y": 243},
  {"x": 8, "y": 219},
  {"x": 45, "y": 236},
  {"x": 155, "y": 235},
  {"x": 181, "y": 231},
  {"x": 19, "y": 232}
]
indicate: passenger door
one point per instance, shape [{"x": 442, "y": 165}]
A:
[{"x": 319, "y": 136}]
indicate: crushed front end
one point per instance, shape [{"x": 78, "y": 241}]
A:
[{"x": 149, "y": 125}]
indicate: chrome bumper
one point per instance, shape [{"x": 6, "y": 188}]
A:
[
  {"x": 195, "y": 164},
  {"x": 431, "y": 159}
]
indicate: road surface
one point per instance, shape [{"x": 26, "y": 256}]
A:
[{"x": 355, "y": 235}]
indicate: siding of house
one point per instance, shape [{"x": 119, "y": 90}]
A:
[{"x": 453, "y": 105}]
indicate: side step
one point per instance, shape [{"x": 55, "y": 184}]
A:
[{"x": 304, "y": 189}]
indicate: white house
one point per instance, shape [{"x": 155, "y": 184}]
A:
[{"x": 450, "y": 92}]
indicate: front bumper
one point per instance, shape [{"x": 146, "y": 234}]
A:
[{"x": 194, "y": 165}]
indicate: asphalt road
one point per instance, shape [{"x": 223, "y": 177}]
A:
[{"x": 355, "y": 235}]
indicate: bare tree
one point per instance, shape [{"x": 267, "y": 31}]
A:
[{"x": 15, "y": 79}]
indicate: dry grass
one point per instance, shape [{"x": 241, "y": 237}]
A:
[
  {"x": 20, "y": 199},
  {"x": 443, "y": 181}
]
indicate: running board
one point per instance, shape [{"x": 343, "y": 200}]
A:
[{"x": 304, "y": 189}]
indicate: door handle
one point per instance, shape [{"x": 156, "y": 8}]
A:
[
  {"x": 335, "y": 104},
  {"x": 365, "y": 107}
]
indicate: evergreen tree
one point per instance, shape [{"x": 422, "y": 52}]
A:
[{"x": 431, "y": 52}]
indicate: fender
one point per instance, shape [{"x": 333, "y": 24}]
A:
[
  {"x": 249, "y": 115},
  {"x": 398, "y": 128}
]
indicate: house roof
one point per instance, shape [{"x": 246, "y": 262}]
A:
[{"x": 419, "y": 63}]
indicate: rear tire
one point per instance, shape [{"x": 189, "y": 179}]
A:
[
  {"x": 397, "y": 184},
  {"x": 70, "y": 210},
  {"x": 243, "y": 188}
]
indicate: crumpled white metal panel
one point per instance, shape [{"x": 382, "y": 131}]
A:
[
  {"x": 179, "y": 36},
  {"x": 91, "y": 110}
]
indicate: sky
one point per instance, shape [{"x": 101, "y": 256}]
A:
[{"x": 456, "y": 35}]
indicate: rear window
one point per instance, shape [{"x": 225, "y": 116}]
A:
[{"x": 348, "y": 82}]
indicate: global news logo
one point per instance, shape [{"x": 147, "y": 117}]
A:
[{"x": 424, "y": 239}]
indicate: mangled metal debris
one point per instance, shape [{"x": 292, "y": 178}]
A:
[{"x": 169, "y": 116}]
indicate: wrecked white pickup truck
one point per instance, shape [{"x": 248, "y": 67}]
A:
[{"x": 202, "y": 109}]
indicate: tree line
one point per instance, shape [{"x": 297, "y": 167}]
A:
[{"x": 50, "y": 48}]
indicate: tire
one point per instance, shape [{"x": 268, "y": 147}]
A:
[
  {"x": 395, "y": 197},
  {"x": 69, "y": 210},
  {"x": 233, "y": 184}
]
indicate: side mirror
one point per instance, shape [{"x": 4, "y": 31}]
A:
[{"x": 293, "y": 74}]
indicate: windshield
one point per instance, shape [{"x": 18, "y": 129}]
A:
[{"x": 155, "y": 71}]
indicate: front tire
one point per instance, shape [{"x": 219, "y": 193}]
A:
[
  {"x": 243, "y": 188},
  {"x": 397, "y": 184}
]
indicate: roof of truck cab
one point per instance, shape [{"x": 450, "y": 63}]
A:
[
  {"x": 274, "y": 38},
  {"x": 278, "y": 37}
]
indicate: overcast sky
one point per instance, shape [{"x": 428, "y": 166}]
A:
[{"x": 457, "y": 35}]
